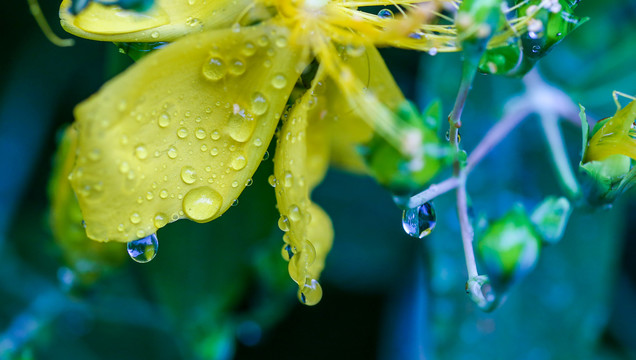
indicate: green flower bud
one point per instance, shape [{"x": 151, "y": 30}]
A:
[
  {"x": 477, "y": 21},
  {"x": 509, "y": 249},
  {"x": 402, "y": 173}
]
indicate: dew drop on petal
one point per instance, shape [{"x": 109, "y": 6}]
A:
[
  {"x": 200, "y": 134},
  {"x": 239, "y": 162},
  {"x": 279, "y": 81},
  {"x": 240, "y": 125},
  {"x": 188, "y": 174},
  {"x": 182, "y": 133},
  {"x": 164, "y": 120},
  {"x": 294, "y": 213},
  {"x": 172, "y": 152},
  {"x": 214, "y": 68},
  {"x": 420, "y": 221},
  {"x": 160, "y": 220},
  {"x": 143, "y": 250},
  {"x": 259, "y": 103},
  {"x": 283, "y": 223},
  {"x": 237, "y": 67},
  {"x": 385, "y": 14},
  {"x": 141, "y": 152},
  {"x": 135, "y": 218},
  {"x": 311, "y": 293},
  {"x": 202, "y": 204},
  {"x": 287, "y": 252},
  {"x": 272, "y": 180}
]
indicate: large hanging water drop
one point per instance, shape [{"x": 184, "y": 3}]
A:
[
  {"x": 420, "y": 221},
  {"x": 143, "y": 250},
  {"x": 310, "y": 293}
]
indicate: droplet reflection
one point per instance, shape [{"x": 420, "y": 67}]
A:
[{"x": 143, "y": 250}]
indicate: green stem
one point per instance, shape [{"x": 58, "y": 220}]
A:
[
  {"x": 454, "y": 119},
  {"x": 550, "y": 124}
]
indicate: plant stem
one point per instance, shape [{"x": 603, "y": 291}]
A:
[
  {"x": 432, "y": 192},
  {"x": 550, "y": 124},
  {"x": 515, "y": 114},
  {"x": 466, "y": 228},
  {"x": 454, "y": 119}
]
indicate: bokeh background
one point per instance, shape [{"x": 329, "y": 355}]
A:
[{"x": 220, "y": 290}]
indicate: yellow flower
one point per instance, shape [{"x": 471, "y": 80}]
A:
[
  {"x": 180, "y": 133},
  {"x": 616, "y": 136}
]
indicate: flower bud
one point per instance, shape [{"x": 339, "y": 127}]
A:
[
  {"x": 509, "y": 249},
  {"x": 608, "y": 155}
]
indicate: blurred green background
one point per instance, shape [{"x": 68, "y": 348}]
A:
[{"x": 221, "y": 290}]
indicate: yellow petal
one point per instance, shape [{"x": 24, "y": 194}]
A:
[
  {"x": 308, "y": 229},
  {"x": 616, "y": 136},
  {"x": 165, "y": 21},
  {"x": 349, "y": 129},
  {"x": 87, "y": 258},
  {"x": 180, "y": 132}
]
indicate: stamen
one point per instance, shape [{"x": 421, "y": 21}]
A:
[{"x": 36, "y": 11}]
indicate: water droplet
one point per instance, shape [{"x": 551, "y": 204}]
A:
[
  {"x": 239, "y": 162},
  {"x": 192, "y": 21},
  {"x": 249, "y": 182},
  {"x": 160, "y": 220},
  {"x": 237, "y": 67},
  {"x": 287, "y": 252},
  {"x": 420, "y": 221},
  {"x": 481, "y": 292},
  {"x": 258, "y": 142},
  {"x": 188, "y": 174},
  {"x": 143, "y": 250},
  {"x": 124, "y": 167},
  {"x": 214, "y": 151},
  {"x": 272, "y": 180},
  {"x": 155, "y": 35},
  {"x": 259, "y": 103},
  {"x": 294, "y": 213},
  {"x": 235, "y": 184},
  {"x": 235, "y": 202},
  {"x": 172, "y": 152},
  {"x": 536, "y": 49},
  {"x": 163, "y": 194},
  {"x": 385, "y": 14},
  {"x": 240, "y": 124},
  {"x": 164, "y": 120},
  {"x": 248, "y": 49},
  {"x": 283, "y": 223},
  {"x": 214, "y": 69},
  {"x": 289, "y": 179},
  {"x": 263, "y": 41},
  {"x": 182, "y": 133},
  {"x": 266, "y": 155},
  {"x": 202, "y": 204},
  {"x": 432, "y": 51},
  {"x": 141, "y": 152},
  {"x": 279, "y": 81},
  {"x": 135, "y": 218},
  {"x": 311, "y": 293},
  {"x": 200, "y": 134}
]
